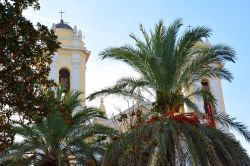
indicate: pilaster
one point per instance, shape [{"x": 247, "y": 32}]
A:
[
  {"x": 76, "y": 62},
  {"x": 54, "y": 73}
]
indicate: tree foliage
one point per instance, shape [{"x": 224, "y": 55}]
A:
[
  {"x": 171, "y": 66},
  {"x": 25, "y": 55},
  {"x": 68, "y": 131},
  {"x": 151, "y": 139}
]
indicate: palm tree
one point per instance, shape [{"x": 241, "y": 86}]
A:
[
  {"x": 169, "y": 63},
  {"x": 59, "y": 137}
]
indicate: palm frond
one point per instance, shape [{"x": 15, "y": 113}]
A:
[
  {"x": 168, "y": 64},
  {"x": 230, "y": 122},
  {"x": 54, "y": 138},
  {"x": 227, "y": 148},
  {"x": 190, "y": 38},
  {"x": 124, "y": 87}
]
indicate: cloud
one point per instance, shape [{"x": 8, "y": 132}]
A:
[{"x": 30, "y": 14}]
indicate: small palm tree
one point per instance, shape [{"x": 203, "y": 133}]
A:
[
  {"x": 167, "y": 65},
  {"x": 61, "y": 137}
]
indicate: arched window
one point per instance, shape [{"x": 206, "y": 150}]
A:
[
  {"x": 205, "y": 85},
  {"x": 207, "y": 105},
  {"x": 64, "y": 79}
]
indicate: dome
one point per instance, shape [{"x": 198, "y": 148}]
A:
[{"x": 63, "y": 25}]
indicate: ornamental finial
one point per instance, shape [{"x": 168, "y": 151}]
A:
[{"x": 102, "y": 106}]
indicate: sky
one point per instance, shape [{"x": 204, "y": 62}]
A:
[{"x": 106, "y": 23}]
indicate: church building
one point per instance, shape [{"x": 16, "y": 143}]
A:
[
  {"x": 68, "y": 65},
  {"x": 68, "y": 69}
]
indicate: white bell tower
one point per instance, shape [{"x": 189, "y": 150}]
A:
[{"x": 68, "y": 66}]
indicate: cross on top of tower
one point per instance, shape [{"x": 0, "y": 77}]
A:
[
  {"x": 189, "y": 27},
  {"x": 61, "y": 12}
]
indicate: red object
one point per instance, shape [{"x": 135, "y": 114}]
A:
[
  {"x": 191, "y": 118},
  {"x": 210, "y": 113},
  {"x": 208, "y": 110}
]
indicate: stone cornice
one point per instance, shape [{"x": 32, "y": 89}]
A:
[{"x": 75, "y": 48}]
